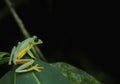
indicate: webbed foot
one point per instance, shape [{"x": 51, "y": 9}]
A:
[{"x": 37, "y": 68}]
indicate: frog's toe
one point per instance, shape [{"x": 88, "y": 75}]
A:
[{"x": 38, "y": 68}]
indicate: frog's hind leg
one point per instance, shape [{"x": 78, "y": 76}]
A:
[{"x": 27, "y": 67}]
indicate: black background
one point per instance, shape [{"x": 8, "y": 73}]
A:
[{"x": 79, "y": 33}]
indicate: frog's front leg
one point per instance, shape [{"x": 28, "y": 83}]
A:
[{"x": 27, "y": 66}]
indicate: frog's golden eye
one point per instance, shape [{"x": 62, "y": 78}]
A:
[{"x": 35, "y": 39}]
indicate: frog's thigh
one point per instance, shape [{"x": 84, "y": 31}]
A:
[
  {"x": 22, "y": 61},
  {"x": 20, "y": 68}
]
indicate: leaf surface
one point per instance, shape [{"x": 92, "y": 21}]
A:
[
  {"x": 76, "y": 76},
  {"x": 47, "y": 76}
]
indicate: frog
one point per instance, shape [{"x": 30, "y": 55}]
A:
[{"x": 18, "y": 54}]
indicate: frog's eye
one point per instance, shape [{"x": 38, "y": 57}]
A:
[{"x": 36, "y": 40}]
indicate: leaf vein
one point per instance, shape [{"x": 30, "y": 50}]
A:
[{"x": 36, "y": 78}]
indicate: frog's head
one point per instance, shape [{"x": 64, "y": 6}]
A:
[{"x": 36, "y": 40}]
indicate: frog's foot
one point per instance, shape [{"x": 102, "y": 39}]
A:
[{"x": 37, "y": 68}]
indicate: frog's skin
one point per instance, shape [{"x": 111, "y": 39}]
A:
[{"x": 19, "y": 51}]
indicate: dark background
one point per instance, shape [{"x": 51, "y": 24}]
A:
[{"x": 78, "y": 33}]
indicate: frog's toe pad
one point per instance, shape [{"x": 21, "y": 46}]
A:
[{"x": 38, "y": 68}]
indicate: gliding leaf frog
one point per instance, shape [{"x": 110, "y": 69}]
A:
[{"x": 19, "y": 51}]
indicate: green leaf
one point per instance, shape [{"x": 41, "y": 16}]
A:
[
  {"x": 76, "y": 76},
  {"x": 47, "y": 76},
  {"x": 3, "y": 59},
  {"x": 2, "y": 54}
]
